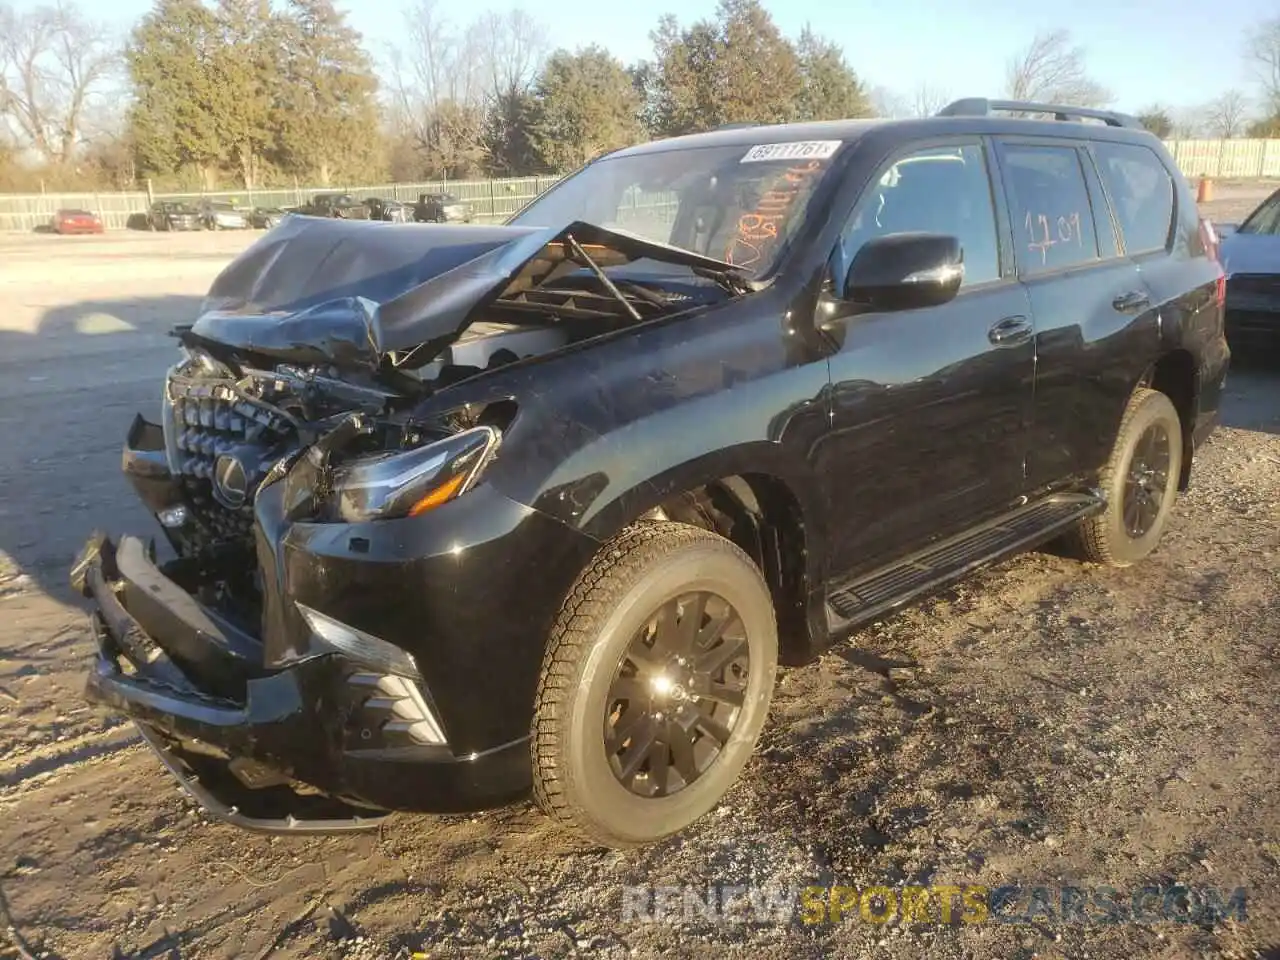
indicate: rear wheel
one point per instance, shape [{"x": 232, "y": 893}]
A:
[
  {"x": 1140, "y": 482},
  {"x": 655, "y": 685}
]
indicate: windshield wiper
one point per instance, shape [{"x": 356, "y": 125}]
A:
[{"x": 584, "y": 258}]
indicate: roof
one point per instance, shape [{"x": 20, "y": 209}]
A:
[
  {"x": 746, "y": 136},
  {"x": 738, "y": 135}
]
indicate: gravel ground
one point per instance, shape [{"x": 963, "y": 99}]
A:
[{"x": 1046, "y": 723}]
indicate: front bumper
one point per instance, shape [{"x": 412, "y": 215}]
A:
[
  {"x": 283, "y": 732},
  {"x": 293, "y": 750}
]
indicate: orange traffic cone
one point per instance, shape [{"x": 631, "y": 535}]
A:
[{"x": 1205, "y": 192}]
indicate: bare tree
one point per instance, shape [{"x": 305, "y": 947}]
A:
[
  {"x": 1263, "y": 49},
  {"x": 53, "y": 64},
  {"x": 1188, "y": 124},
  {"x": 514, "y": 45},
  {"x": 437, "y": 90},
  {"x": 1224, "y": 117},
  {"x": 888, "y": 103},
  {"x": 1052, "y": 70},
  {"x": 928, "y": 100},
  {"x": 924, "y": 101},
  {"x": 445, "y": 80}
]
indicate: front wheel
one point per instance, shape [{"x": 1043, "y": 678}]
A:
[
  {"x": 1140, "y": 482},
  {"x": 655, "y": 685}
]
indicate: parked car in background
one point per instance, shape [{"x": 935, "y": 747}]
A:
[
  {"x": 391, "y": 210},
  {"x": 442, "y": 208},
  {"x": 1251, "y": 258},
  {"x": 264, "y": 218},
  {"x": 76, "y": 221},
  {"x": 219, "y": 215},
  {"x": 173, "y": 215},
  {"x": 340, "y": 205}
]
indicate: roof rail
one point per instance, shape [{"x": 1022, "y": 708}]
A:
[
  {"x": 742, "y": 125},
  {"x": 982, "y": 107}
]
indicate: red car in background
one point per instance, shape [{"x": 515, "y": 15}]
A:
[{"x": 76, "y": 221}]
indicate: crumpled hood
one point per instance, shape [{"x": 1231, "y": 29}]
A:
[{"x": 317, "y": 290}]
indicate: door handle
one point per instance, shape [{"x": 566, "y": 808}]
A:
[
  {"x": 1131, "y": 302},
  {"x": 1010, "y": 332}
]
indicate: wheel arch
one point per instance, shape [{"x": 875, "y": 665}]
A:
[
  {"x": 772, "y": 515},
  {"x": 1176, "y": 375}
]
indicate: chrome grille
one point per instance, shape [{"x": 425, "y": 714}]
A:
[{"x": 206, "y": 419}]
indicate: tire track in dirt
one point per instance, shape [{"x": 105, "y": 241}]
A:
[{"x": 35, "y": 768}]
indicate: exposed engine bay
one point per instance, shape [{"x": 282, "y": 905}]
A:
[{"x": 314, "y": 350}]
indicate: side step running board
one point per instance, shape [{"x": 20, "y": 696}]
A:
[{"x": 924, "y": 571}]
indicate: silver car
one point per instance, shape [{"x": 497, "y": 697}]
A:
[{"x": 222, "y": 216}]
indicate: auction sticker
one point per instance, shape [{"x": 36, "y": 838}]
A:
[{"x": 795, "y": 150}]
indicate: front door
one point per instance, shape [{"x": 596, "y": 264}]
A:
[{"x": 929, "y": 407}]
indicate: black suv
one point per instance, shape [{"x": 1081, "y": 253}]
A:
[
  {"x": 479, "y": 511},
  {"x": 173, "y": 215},
  {"x": 338, "y": 205}
]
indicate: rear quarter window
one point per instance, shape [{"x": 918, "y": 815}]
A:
[
  {"x": 1141, "y": 192},
  {"x": 1049, "y": 203}
]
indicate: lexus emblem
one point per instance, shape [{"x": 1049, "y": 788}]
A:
[{"x": 230, "y": 482}]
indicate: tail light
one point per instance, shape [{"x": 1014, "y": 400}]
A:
[
  {"x": 1209, "y": 237},
  {"x": 1212, "y": 247}
]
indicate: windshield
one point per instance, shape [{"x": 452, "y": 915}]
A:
[
  {"x": 741, "y": 204},
  {"x": 1265, "y": 219}
]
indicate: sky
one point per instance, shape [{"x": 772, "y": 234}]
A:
[{"x": 1180, "y": 53}]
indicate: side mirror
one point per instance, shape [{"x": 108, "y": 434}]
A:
[{"x": 904, "y": 271}]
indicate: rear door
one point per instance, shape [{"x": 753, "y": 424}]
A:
[
  {"x": 1093, "y": 314},
  {"x": 1159, "y": 228}
]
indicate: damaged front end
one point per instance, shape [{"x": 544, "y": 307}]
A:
[{"x": 307, "y": 659}]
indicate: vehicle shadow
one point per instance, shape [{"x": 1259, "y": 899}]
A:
[{"x": 69, "y": 388}]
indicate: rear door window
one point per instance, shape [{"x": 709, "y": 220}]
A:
[
  {"x": 1141, "y": 193},
  {"x": 1049, "y": 206}
]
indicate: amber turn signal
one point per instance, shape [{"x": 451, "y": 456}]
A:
[{"x": 441, "y": 494}]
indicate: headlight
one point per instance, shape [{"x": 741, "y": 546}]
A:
[{"x": 410, "y": 483}]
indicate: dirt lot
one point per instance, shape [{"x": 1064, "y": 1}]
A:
[{"x": 1046, "y": 723}]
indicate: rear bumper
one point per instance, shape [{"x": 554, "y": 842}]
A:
[
  {"x": 1253, "y": 327},
  {"x": 298, "y": 750}
]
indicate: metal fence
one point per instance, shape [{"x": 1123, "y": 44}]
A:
[
  {"x": 494, "y": 200},
  {"x": 491, "y": 200}
]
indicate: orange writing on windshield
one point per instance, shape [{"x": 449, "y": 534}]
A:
[{"x": 758, "y": 228}]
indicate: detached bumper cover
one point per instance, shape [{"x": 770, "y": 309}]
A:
[{"x": 295, "y": 750}]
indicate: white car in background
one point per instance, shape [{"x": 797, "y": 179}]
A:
[{"x": 216, "y": 215}]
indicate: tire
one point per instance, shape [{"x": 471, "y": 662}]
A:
[
  {"x": 649, "y": 567},
  {"x": 1111, "y": 537}
]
